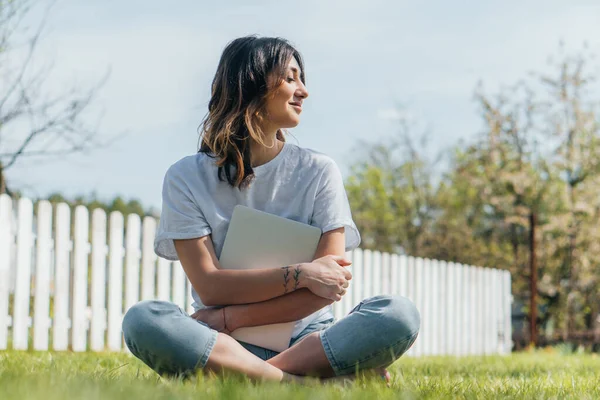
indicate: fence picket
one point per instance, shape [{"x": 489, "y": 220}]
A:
[
  {"x": 496, "y": 307},
  {"x": 178, "y": 283},
  {"x": 488, "y": 338},
  {"x": 148, "y": 258},
  {"x": 420, "y": 345},
  {"x": 357, "y": 276},
  {"x": 507, "y": 299},
  {"x": 367, "y": 274},
  {"x": 450, "y": 314},
  {"x": 411, "y": 294},
  {"x": 394, "y": 286},
  {"x": 6, "y": 238},
  {"x": 23, "y": 274},
  {"x": 427, "y": 304},
  {"x": 385, "y": 274},
  {"x": 132, "y": 260},
  {"x": 80, "y": 276},
  {"x": 163, "y": 279},
  {"x": 479, "y": 309},
  {"x": 377, "y": 273},
  {"x": 462, "y": 301},
  {"x": 41, "y": 311},
  {"x": 411, "y": 279},
  {"x": 442, "y": 306},
  {"x": 98, "y": 289},
  {"x": 466, "y": 307},
  {"x": 115, "y": 280},
  {"x": 62, "y": 277},
  {"x": 403, "y": 280},
  {"x": 473, "y": 300},
  {"x": 347, "y": 299},
  {"x": 434, "y": 308}
]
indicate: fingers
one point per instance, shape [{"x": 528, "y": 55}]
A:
[
  {"x": 346, "y": 284},
  {"x": 347, "y": 274},
  {"x": 338, "y": 296},
  {"x": 341, "y": 260}
]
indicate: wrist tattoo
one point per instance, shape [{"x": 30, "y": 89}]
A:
[
  {"x": 296, "y": 277},
  {"x": 286, "y": 278}
]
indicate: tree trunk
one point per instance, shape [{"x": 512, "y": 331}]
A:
[
  {"x": 570, "y": 264},
  {"x": 533, "y": 276}
]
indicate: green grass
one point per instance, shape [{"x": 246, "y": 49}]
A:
[{"x": 51, "y": 375}]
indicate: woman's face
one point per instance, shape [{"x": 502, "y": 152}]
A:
[{"x": 285, "y": 105}]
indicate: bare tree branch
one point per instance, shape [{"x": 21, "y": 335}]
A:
[
  {"x": 56, "y": 120},
  {"x": 33, "y": 43}
]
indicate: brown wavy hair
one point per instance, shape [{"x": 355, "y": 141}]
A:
[{"x": 249, "y": 72}]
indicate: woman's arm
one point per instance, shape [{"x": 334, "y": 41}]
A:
[
  {"x": 217, "y": 286},
  {"x": 293, "y": 306}
]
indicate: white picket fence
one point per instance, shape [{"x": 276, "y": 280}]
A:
[{"x": 90, "y": 282}]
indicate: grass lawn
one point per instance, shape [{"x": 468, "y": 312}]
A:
[{"x": 48, "y": 375}]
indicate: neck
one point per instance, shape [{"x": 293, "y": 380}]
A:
[{"x": 263, "y": 154}]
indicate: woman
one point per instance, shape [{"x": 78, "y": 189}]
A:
[{"x": 258, "y": 90}]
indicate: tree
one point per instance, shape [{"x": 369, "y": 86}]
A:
[
  {"x": 573, "y": 130},
  {"x": 34, "y": 121},
  {"x": 392, "y": 194},
  {"x": 538, "y": 154}
]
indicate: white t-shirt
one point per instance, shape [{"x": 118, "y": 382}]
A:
[{"x": 300, "y": 184}]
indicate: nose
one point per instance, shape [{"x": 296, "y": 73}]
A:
[{"x": 302, "y": 90}]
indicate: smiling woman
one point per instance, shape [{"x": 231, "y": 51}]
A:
[
  {"x": 270, "y": 100},
  {"x": 258, "y": 92}
]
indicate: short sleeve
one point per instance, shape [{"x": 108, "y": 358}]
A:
[
  {"x": 181, "y": 218},
  {"x": 332, "y": 209}
]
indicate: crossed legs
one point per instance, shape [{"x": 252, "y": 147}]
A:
[{"x": 376, "y": 333}]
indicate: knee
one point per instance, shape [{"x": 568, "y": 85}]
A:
[
  {"x": 399, "y": 316},
  {"x": 140, "y": 317}
]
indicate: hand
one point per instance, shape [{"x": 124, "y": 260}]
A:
[
  {"x": 213, "y": 317},
  {"x": 327, "y": 277}
]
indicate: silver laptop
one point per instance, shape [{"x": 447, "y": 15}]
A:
[{"x": 256, "y": 239}]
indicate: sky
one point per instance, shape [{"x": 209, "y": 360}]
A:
[{"x": 362, "y": 59}]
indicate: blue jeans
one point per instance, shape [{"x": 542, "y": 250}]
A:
[{"x": 373, "y": 335}]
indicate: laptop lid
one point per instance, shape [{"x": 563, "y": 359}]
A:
[{"x": 256, "y": 239}]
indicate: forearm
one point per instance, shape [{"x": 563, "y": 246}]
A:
[
  {"x": 288, "y": 308},
  {"x": 226, "y": 287}
]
